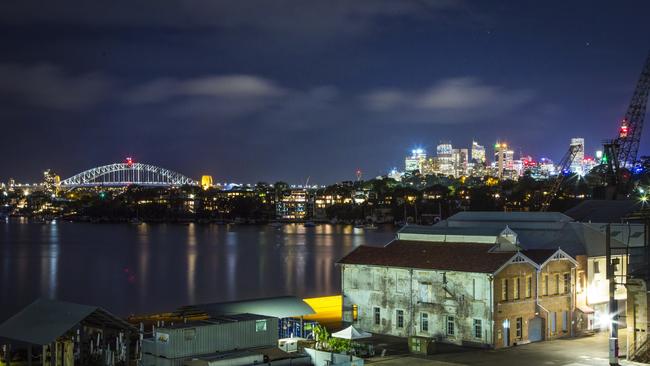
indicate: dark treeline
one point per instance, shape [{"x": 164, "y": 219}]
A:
[{"x": 421, "y": 199}]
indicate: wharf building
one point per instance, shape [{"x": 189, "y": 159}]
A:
[
  {"x": 490, "y": 279},
  {"x": 469, "y": 294}
]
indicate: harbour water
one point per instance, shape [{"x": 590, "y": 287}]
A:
[{"x": 145, "y": 268}]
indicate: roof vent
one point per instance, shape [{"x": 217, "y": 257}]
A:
[{"x": 507, "y": 241}]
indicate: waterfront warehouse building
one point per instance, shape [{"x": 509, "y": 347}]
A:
[
  {"x": 585, "y": 285},
  {"x": 471, "y": 294}
]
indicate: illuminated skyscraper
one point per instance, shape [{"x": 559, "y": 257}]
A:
[
  {"x": 445, "y": 156},
  {"x": 415, "y": 160},
  {"x": 478, "y": 153},
  {"x": 460, "y": 161},
  {"x": 504, "y": 160},
  {"x": 577, "y": 163},
  {"x": 430, "y": 166}
]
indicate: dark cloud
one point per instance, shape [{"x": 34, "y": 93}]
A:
[
  {"x": 289, "y": 16},
  {"x": 451, "y": 100},
  {"x": 48, "y": 86},
  {"x": 231, "y": 87}
]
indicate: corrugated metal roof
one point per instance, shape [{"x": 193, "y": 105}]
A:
[
  {"x": 439, "y": 230},
  {"x": 575, "y": 238},
  {"x": 223, "y": 319},
  {"x": 43, "y": 321},
  {"x": 603, "y": 211},
  {"x": 510, "y": 216},
  {"x": 279, "y": 307}
]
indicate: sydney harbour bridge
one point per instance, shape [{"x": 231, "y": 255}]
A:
[{"x": 125, "y": 174}]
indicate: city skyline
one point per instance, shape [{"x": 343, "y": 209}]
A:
[
  {"x": 254, "y": 93},
  {"x": 415, "y": 154}
]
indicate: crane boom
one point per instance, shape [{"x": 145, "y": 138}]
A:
[
  {"x": 629, "y": 135},
  {"x": 568, "y": 157}
]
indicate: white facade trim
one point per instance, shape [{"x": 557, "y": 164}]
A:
[
  {"x": 559, "y": 255},
  {"x": 517, "y": 258}
]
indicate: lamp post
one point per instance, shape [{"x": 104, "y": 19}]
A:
[{"x": 613, "y": 308}]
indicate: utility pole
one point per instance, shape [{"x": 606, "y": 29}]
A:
[{"x": 613, "y": 309}]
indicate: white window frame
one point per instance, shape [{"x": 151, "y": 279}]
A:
[
  {"x": 478, "y": 328},
  {"x": 424, "y": 322},
  {"x": 399, "y": 318},
  {"x": 450, "y": 327}
]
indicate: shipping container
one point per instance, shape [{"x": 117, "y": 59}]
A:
[{"x": 219, "y": 334}]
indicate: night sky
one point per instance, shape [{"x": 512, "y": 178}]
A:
[{"x": 284, "y": 90}]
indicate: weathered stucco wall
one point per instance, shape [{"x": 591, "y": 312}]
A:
[
  {"x": 460, "y": 307},
  {"x": 440, "y": 297}
]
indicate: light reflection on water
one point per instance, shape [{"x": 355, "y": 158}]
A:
[{"x": 156, "y": 267}]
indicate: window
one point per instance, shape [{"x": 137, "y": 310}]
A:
[
  {"x": 596, "y": 268},
  {"x": 260, "y": 325},
  {"x": 504, "y": 289},
  {"x": 478, "y": 328},
  {"x": 545, "y": 287},
  {"x": 355, "y": 312},
  {"x": 565, "y": 321},
  {"x": 425, "y": 292},
  {"x": 474, "y": 288},
  {"x": 401, "y": 283},
  {"x": 615, "y": 263},
  {"x": 450, "y": 325},
  {"x": 552, "y": 319},
  {"x": 377, "y": 313},
  {"x": 519, "y": 327},
  {"x": 557, "y": 283},
  {"x": 529, "y": 286},
  {"x": 377, "y": 283},
  {"x": 400, "y": 318},
  {"x": 567, "y": 283},
  {"x": 515, "y": 292},
  {"x": 351, "y": 277},
  {"x": 424, "y": 322}
]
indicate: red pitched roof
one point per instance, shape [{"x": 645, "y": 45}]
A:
[{"x": 463, "y": 257}]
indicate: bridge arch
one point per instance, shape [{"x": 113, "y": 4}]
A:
[{"x": 124, "y": 174}]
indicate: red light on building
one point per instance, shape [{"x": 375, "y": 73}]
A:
[
  {"x": 129, "y": 161},
  {"x": 528, "y": 161},
  {"x": 624, "y": 129}
]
